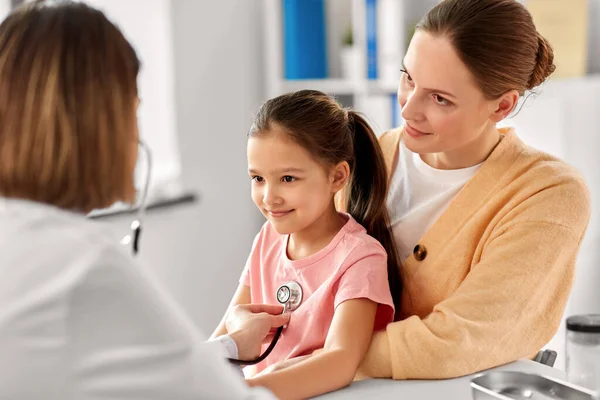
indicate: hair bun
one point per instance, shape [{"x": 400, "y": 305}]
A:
[{"x": 544, "y": 63}]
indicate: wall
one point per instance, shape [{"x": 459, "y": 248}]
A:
[
  {"x": 200, "y": 250},
  {"x": 147, "y": 24},
  {"x": 218, "y": 86}
]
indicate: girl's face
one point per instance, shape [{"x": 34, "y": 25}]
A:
[
  {"x": 289, "y": 186},
  {"x": 444, "y": 109}
]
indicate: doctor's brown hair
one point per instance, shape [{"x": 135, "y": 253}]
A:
[
  {"x": 332, "y": 134},
  {"x": 68, "y": 98},
  {"x": 497, "y": 40}
]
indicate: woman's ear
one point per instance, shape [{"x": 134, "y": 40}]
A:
[
  {"x": 339, "y": 176},
  {"x": 504, "y": 105}
]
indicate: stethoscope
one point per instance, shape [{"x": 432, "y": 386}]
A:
[
  {"x": 289, "y": 295},
  {"x": 136, "y": 225}
]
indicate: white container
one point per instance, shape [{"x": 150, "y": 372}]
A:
[
  {"x": 583, "y": 350},
  {"x": 350, "y": 63}
]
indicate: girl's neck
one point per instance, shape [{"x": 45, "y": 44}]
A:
[{"x": 316, "y": 236}]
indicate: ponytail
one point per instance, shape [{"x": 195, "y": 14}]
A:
[{"x": 366, "y": 193}]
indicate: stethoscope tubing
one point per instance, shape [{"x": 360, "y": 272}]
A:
[{"x": 263, "y": 355}]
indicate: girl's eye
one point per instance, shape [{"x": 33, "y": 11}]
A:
[
  {"x": 257, "y": 178},
  {"x": 288, "y": 179}
]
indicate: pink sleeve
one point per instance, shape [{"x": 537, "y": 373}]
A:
[
  {"x": 245, "y": 277},
  {"x": 367, "y": 278},
  {"x": 253, "y": 260}
]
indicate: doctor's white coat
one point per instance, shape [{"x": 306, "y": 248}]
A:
[{"x": 79, "y": 319}]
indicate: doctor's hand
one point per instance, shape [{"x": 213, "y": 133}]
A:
[{"x": 250, "y": 324}]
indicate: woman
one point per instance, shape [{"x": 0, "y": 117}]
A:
[
  {"x": 489, "y": 228},
  {"x": 78, "y": 318}
]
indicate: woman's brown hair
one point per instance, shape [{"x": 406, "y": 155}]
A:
[
  {"x": 333, "y": 135},
  {"x": 68, "y": 93},
  {"x": 497, "y": 40}
]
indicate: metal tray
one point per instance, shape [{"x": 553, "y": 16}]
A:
[{"x": 513, "y": 385}]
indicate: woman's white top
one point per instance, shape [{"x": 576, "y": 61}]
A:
[
  {"x": 418, "y": 196},
  {"x": 80, "y": 319}
]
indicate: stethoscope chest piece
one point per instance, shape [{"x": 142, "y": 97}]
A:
[{"x": 290, "y": 295}]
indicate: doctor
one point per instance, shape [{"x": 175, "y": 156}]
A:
[{"x": 79, "y": 319}]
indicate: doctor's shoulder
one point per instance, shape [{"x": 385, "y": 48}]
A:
[
  {"x": 85, "y": 243},
  {"x": 59, "y": 249}
]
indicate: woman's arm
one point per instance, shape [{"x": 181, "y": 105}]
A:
[
  {"x": 508, "y": 307},
  {"x": 241, "y": 296},
  {"x": 347, "y": 341}
]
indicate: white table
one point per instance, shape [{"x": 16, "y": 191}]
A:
[{"x": 450, "y": 389}]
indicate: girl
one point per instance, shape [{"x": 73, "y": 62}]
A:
[{"x": 303, "y": 148}]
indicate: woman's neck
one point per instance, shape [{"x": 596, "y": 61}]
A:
[
  {"x": 316, "y": 236},
  {"x": 471, "y": 154}
]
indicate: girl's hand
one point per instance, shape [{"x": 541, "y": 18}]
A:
[{"x": 283, "y": 364}]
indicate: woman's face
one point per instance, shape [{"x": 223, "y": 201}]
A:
[{"x": 444, "y": 109}]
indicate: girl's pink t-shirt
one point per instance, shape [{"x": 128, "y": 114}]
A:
[{"x": 353, "y": 265}]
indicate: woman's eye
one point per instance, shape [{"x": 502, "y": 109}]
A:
[
  {"x": 257, "y": 178},
  {"x": 288, "y": 179},
  {"x": 406, "y": 76},
  {"x": 440, "y": 100}
]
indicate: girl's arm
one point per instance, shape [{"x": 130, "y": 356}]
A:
[
  {"x": 241, "y": 296},
  {"x": 346, "y": 344}
]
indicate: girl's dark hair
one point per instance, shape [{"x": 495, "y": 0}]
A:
[
  {"x": 332, "y": 135},
  {"x": 497, "y": 40}
]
